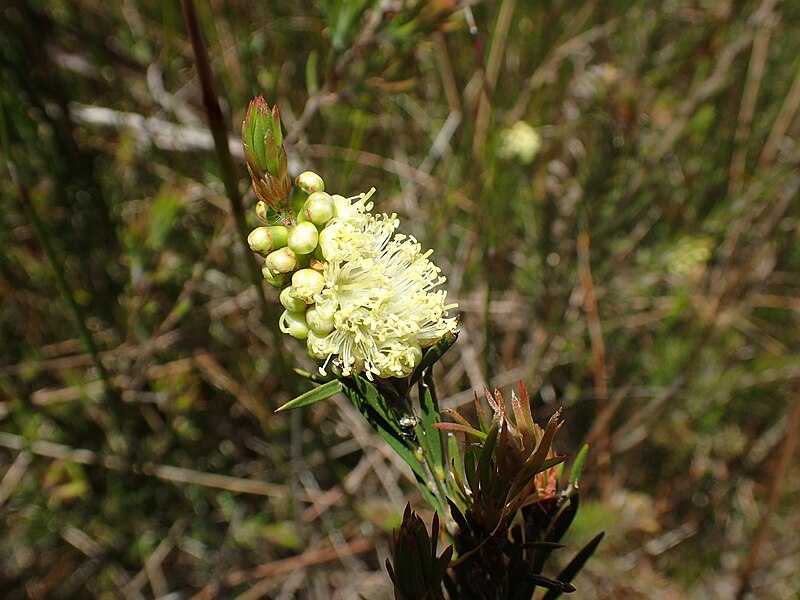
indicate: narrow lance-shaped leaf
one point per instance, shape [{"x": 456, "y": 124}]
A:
[
  {"x": 576, "y": 564},
  {"x": 535, "y": 461},
  {"x": 577, "y": 465},
  {"x": 376, "y": 410},
  {"x": 462, "y": 428},
  {"x": 485, "y": 461},
  {"x": 427, "y": 433},
  {"x": 276, "y": 126},
  {"x": 318, "y": 394},
  {"x": 433, "y": 354},
  {"x": 376, "y": 401}
]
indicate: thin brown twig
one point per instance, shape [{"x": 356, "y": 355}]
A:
[
  {"x": 755, "y": 74},
  {"x": 775, "y": 491},
  {"x": 169, "y": 473},
  {"x": 155, "y": 559},
  {"x": 598, "y": 359},
  {"x": 287, "y": 565},
  {"x": 13, "y": 475},
  {"x": 781, "y": 125},
  {"x": 491, "y": 73}
]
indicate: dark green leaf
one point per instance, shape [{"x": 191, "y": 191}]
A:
[
  {"x": 318, "y": 394},
  {"x": 430, "y": 438},
  {"x": 433, "y": 354},
  {"x": 576, "y": 564}
]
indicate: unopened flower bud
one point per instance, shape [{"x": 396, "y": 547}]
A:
[
  {"x": 261, "y": 211},
  {"x": 263, "y": 149},
  {"x": 319, "y": 208},
  {"x": 280, "y": 261},
  {"x": 280, "y": 235},
  {"x": 294, "y": 323},
  {"x": 307, "y": 283},
  {"x": 303, "y": 238},
  {"x": 260, "y": 240},
  {"x": 266, "y": 239},
  {"x": 310, "y": 182},
  {"x": 277, "y": 280},
  {"x": 291, "y": 303},
  {"x": 319, "y": 322}
]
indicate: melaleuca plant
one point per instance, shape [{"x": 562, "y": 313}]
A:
[
  {"x": 511, "y": 504},
  {"x": 366, "y": 301},
  {"x": 417, "y": 572}
]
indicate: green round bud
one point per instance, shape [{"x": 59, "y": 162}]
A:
[
  {"x": 282, "y": 260},
  {"x": 303, "y": 238},
  {"x": 266, "y": 239},
  {"x": 319, "y": 208},
  {"x": 307, "y": 283},
  {"x": 291, "y": 303},
  {"x": 261, "y": 211},
  {"x": 280, "y": 236},
  {"x": 276, "y": 281},
  {"x": 260, "y": 240},
  {"x": 310, "y": 182},
  {"x": 294, "y": 323},
  {"x": 319, "y": 322}
]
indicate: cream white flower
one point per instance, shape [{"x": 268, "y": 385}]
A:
[
  {"x": 520, "y": 141},
  {"x": 380, "y": 291}
]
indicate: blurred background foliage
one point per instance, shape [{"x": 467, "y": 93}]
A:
[{"x": 610, "y": 187}]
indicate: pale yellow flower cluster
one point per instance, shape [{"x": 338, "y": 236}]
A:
[{"x": 367, "y": 301}]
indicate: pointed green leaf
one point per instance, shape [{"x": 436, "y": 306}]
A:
[
  {"x": 482, "y": 420},
  {"x": 370, "y": 396},
  {"x": 323, "y": 392},
  {"x": 276, "y": 127},
  {"x": 464, "y": 429},
  {"x": 257, "y": 143},
  {"x": 535, "y": 461},
  {"x": 541, "y": 545},
  {"x": 433, "y": 354},
  {"x": 271, "y": 152},
  {"x": 312, "y": 81},
  {"x": 555, "y": 586},
  {"x": 576, "y": 564},
  {"x": 485, "y": 462},
  {"x": 430, "y": 438},
  {"x": 577, "y": 465}
]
